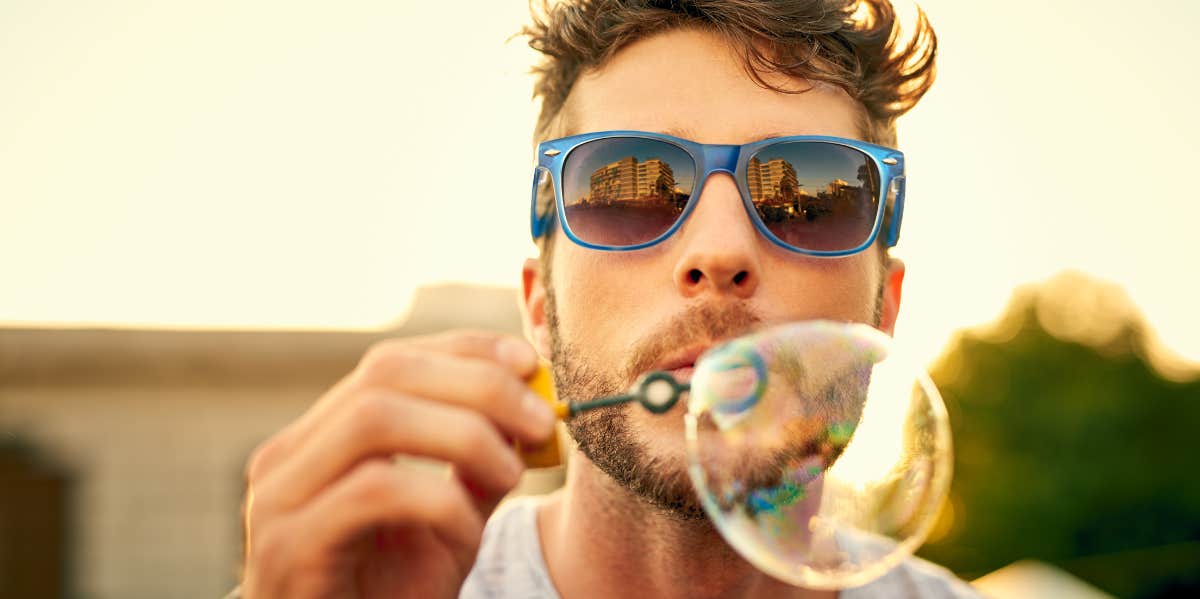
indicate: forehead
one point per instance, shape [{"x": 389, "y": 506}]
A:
[{"x": 693, "y": 84}]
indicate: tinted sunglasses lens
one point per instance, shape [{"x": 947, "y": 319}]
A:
[
  {"x": 625, "y": 191},
  {"x": 815, "y": 195}
]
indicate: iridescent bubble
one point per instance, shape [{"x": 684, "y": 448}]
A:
[{"x": 819, "y": 456}]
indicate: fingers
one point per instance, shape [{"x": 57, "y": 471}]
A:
[
  {"x": 382, "y": 423},
  {"x": 515, "y": 353},
  {"x": 376, "y": 495},
  {"x": 479, "y": 385},
  {"x": 327, "y": 479},
  {"x": 379, "y": 493},
  {"x": 390, "y": 363}
]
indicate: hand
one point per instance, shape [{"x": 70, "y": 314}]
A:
[{"x": 328, "y": 513}]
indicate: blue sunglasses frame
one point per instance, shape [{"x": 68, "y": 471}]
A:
[{"x": 552, "y": 155}]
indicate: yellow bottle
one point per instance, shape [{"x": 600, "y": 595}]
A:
[{"x": 547, "y": 454}]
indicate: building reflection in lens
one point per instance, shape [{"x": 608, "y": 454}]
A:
[
  {"x": 649, "y": 182},
  {"x": 781, "y": 194}
]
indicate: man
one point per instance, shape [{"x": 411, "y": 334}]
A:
[{"x": 329, "y": 515}]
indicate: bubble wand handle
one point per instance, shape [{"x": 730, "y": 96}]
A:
[
  {"x": 658, "y": 392},
  {"x": 600, "y": 402}
]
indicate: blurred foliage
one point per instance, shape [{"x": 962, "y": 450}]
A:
[{"x": 1071, "y": 446}]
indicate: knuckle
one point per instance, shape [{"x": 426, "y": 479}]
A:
[
  {"x": 260, "y": 507},
  {"x": 375, "y": 484},
  {"x": 469, "y": 336},
  {"x": 477, "y": 436},
  {"x": 497, "y": 387},
  {"x": 385, "y": 357},
  {"x": 260, "y": 458},
  {"x": 372, "y": 414},
  {"x": 376, "y": 351}
]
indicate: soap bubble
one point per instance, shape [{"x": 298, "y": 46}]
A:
[{"x": 821, "y": 458}]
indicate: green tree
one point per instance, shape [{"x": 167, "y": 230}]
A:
[{"x": 1071, "y": 447}]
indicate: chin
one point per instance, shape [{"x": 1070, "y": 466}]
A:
[{"x": 663, "y": 436}]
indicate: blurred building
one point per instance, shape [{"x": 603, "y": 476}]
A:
[{"x": 122, "y": 451}]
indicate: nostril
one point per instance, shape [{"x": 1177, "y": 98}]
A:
[
  {"x": 739, "y": 278},
  {"x": 694, "y": 275}
]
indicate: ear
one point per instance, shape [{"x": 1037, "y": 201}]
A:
[
  {"x": 533, "y": 294},
  {"x": 893, "y": 282}
]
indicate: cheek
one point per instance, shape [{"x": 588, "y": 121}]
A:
[
  {"x": 590, "y": 290},
  {"x": 837, "y": 289}
]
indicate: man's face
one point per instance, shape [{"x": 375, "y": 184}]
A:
[{"x": 606, "y": 318}]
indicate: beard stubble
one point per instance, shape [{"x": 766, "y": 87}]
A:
[{"x": 606, "y": 435}]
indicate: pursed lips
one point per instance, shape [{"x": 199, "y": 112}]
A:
[{"x": 682, "y": 363}]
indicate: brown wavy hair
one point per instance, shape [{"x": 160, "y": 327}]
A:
[{"x": 853, "y": 44}]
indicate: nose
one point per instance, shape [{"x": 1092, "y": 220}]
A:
[{"x": 719, "y": 252}]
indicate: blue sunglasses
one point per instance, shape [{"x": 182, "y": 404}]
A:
[{"x": 628, "y": 190}]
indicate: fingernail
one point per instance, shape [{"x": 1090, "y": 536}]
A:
[
  {"x": 516, "y": 353},
  {"x": 537, "y": 410}
]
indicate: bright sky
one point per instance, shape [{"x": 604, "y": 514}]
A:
[{"x": 282, "y": 164}]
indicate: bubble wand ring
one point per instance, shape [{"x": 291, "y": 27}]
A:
[{"x": 658, "y": 392}]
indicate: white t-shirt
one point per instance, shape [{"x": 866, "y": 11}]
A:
[{"x": 510, "y": 565}]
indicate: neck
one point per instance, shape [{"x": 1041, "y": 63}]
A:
[{"x": 599, "y": 540}]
